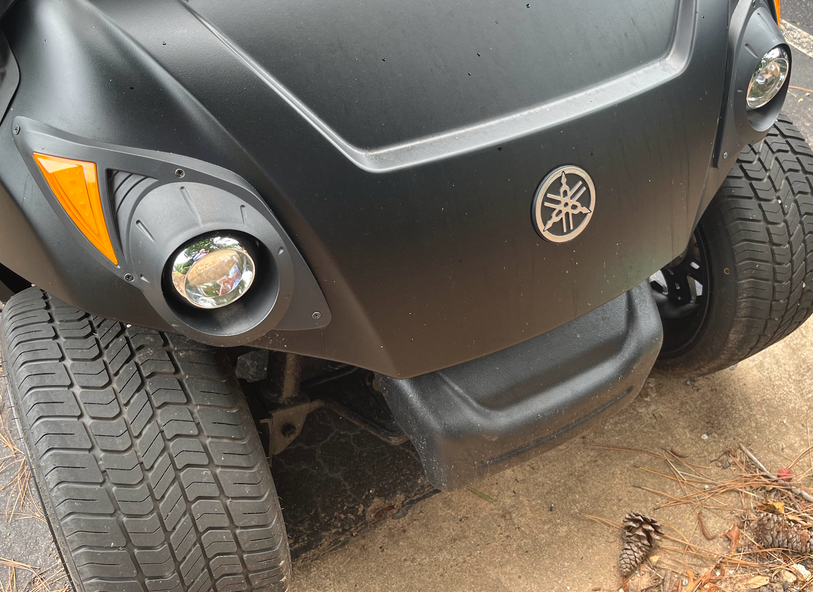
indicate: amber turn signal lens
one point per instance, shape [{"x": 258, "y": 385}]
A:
[
  {"x": 76, "y": 186},
  {"x": 776, "y": 3}
]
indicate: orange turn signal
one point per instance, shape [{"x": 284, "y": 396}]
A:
[
  {"x": 776, "y": 3},
  {"x": 76, "y": 186}
]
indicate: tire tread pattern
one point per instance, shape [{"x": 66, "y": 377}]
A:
[
  {"x": 147, "y": 453},
  {"x": 766, "y": 203}
]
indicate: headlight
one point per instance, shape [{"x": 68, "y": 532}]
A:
[
  {"x": 768, "y": 78},
  {"x": 212, "y": 272}
]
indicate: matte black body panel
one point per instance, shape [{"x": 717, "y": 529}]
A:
[
  {"x": 4, "y": 6},
  {"x": 9, "y": 73},
  {"x": 410, "y": 203},
  {"x": 379, "y": 74},
  {"x": 475, "y": 419}
]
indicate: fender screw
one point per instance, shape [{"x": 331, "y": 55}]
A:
[
  {"x": 16, "y": 129},
  {"x": 129, "y": 277},
  {"x": 179, "y": 173},
  {"x": 316, "y": 315},
  {"x": 288, "y": 431},
  {"x": 725, "y": 155}
]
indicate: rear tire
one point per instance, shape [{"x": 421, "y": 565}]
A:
[
  {"x": 756, "y": 239},
  {"x": 147, "y": 460}
]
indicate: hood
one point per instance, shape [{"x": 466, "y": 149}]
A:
[{"x": 379, "y": 73}]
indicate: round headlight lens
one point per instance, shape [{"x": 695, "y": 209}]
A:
[
  {"x": 770, "y": 75},
  {"x": 213, "y": 272}
]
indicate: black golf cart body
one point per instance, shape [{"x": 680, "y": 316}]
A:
[{"x": 386, "y": 157}]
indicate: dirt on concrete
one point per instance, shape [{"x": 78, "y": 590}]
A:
[{"x": 536, "y": 536}]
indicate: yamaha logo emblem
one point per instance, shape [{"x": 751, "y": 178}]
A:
[{"x": 564, "y": 204}]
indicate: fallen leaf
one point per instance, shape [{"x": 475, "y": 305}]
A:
[
  {"x": 801, "y": 570},
  {"x": 733, "y": 535},
  {"x": 772, "y": 507},
  {"x": 705, "y": 582},
  {"x": 692, "y": 580},
  {"x": 758, "y": 581},
  {"x": 654, "y": 559},
  {"x": 784, "y": 474}
]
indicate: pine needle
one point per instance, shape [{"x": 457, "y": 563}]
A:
[
  {"x": 737, "y": 498},
  {"x": 485, "y": 496},
  {"x": 15, "y": 485}
]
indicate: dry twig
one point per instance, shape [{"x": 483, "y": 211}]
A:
[{"x": 795, "y": 490}]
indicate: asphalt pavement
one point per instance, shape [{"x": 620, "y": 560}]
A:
[{"x": 797, "y": 15}]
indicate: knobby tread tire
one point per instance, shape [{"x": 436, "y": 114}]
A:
[
  {"x": 762, "y": 218},
  {"x": 145, "y": 454}
]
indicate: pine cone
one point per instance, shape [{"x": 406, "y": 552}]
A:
[
  {"x": 641, "y": 536},
  {"x": 775, "y": 531}
]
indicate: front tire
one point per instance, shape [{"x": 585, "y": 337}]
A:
[
  {"x": 144, "y": 452},
  {"x": 747, "y": 280}
]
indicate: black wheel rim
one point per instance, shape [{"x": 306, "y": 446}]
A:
[{"x": 682, "y": 291}]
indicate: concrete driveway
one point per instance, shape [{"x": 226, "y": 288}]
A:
[{"x": 536, "y": 537}]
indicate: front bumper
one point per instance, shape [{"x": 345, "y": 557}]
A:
[{"x": 478, "y": 418}]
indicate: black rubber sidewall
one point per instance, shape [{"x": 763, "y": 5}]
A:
[
  {"x": 709, "y": 342},
  {"x": 38, "y": 477}
]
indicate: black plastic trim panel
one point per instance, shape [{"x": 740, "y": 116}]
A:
[
  {"x": 149, "y": 219},
  {"x": 480, "y": 417}
]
